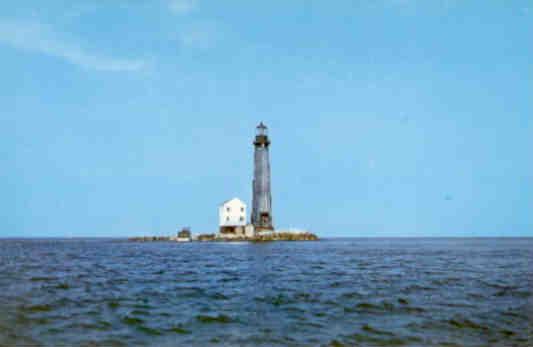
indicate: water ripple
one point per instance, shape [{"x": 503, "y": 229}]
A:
[{"x": 345, "y": 292}]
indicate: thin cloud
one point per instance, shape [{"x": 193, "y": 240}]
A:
[
  {"x": 35, "y": 37},
  {"x": 181, "y": 6}
]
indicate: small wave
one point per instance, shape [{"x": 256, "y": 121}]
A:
[
  {"x": 117, "y": 281},
  {"x": 142, "y": 306},
  {"x": 104, "y": 324},
  {"x": 38, "y": 308},
  {"x": 132, "y": 320},
  {"x": 390, "y": 340},
  {"x": 109, "y": 343},
  {"x": 63, "y": 286},
  {"x": 296, "y": 310},
  {"x": 476, "y": 296},
  {"x": 352, "y": 295},
  {"x": 113, "y": 304},
  {"x": 466, "y": 324},
  {"x": 383, "y": 307},
  {"x": 99, "y": 326},
  {"x": 190, "y": 291},
  {"x": 514, "y": 314},
  {"x": 179, "y": 329},
  {"x": 317, "y": 267},
  {"x": 412, "y": 309},
  {"x": 305, "y": 297},
  {"x": 54, "y": 331},
  {"x": 148, "y": 330},
  {"x": 513, "y": 292},
  {"x": 403, "y": 301},
  {"x": 366, "y": 306},
  {"x": 221, "y": 318},
  {"x": 42, "y": 279},
  {"x": 507, "y": 333},
  {"x": 218, "y": 296},
  {"x": 276, "y": 300},
  {"x": 498, "y": 285},
  {"x": 313, "y": 324},
  {"x": 446, "y": 281},
  {"x": 457, "y": 304},
  {"x": 372, "y": 330},
  {"x": 26, "y": 321},
  {"x": 336, "y": 343},
  {"x": 416, "y": 288},
  {"x": 449, "y": 344}
]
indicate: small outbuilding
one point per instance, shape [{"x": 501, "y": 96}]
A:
[{"x": 184, "y": 235}]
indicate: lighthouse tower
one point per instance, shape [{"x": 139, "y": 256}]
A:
[{"x": 262, "y": 197}]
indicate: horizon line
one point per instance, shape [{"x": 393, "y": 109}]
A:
[{"x": 326, "y": 237}]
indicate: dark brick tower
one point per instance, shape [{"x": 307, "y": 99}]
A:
[{"x": 262, "y": 196}]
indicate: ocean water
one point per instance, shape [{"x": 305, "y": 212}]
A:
[{"x": 338, "y": 292}]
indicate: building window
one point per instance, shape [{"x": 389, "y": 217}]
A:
[
  {"x": 227, "y": 219},
  {"x": 242, "y": 209},
  {"x": 228, "y": 209},
  {"x": 241, "y": 219}
]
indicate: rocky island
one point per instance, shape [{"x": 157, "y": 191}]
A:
[
  {"x": 217, "y": 237},
  {"x": 232, "y": 213}
]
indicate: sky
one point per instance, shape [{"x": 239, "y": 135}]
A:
[{"x": 388, "y": 118}]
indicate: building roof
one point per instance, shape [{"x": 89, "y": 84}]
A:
[{"x": 227, "y": 201}]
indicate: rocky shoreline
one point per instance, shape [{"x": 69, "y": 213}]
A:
[{"x": 266, "y": 237}]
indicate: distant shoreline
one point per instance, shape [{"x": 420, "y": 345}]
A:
[
  {"x": 125, "y": 238},
  {"x": 269, "y": 237}
]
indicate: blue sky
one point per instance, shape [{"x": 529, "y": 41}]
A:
[{"x": 387, "y": 117}]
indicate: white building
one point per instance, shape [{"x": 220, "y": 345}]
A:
[
  {"x": 232, "y": 220},
  {"x": 232, "y": 215}
]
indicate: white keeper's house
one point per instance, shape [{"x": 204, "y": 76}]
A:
[
  {"x": 232, "y": 213},
  {"x": 232, "y": 218}
]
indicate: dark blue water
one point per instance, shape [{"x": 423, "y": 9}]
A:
[{"x": 350, "y": 292}]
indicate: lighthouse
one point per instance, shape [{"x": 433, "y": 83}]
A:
[{"x": 262, "y": 196}]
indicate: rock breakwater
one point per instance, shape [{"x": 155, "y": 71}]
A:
[{"x": 263, "y": 237}]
